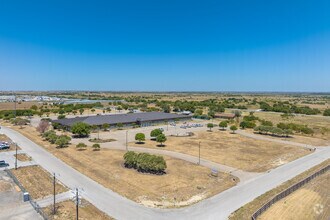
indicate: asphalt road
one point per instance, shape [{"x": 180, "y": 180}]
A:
[{"x": 217, "y": 207}]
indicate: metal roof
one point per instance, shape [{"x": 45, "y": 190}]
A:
[{"x": 122, "y": 118}]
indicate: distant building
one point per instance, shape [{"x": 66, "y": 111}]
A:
[
  {"x": 225, "y": 115},
  {"x": 141, "y": 119},
  {"x": 186, "y": 112}
]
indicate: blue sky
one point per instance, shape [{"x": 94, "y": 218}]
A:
[{"x": 168, "y": 45}]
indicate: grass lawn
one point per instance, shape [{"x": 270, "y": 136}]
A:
[
  {"x": 232, "y": 149},
  {"x": 37, "y": 181},
  {"x": 246, "y": 211},
  {"x": 316, "y": 202},
  {"x": 183, "y": 184},
  {"x": 67, "y": 210}
]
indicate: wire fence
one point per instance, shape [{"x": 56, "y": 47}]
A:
[
  {"x": 287, "y": 192},
  {"x": 34, "y": 204}
]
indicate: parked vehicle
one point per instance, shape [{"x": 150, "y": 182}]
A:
[
  {"x": 3, "y": 163},
  {"x": 4, "y": 146}
]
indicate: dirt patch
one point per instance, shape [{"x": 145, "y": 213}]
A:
[
  {"x": 37, "y": 181},
  {"x": 67, "y": 210},
  {"x": 182, "y": 181},
  {"x": 232, "y": 150},
  {"x": 23, "y": 157},
  {"x": 95, "y": 140}
]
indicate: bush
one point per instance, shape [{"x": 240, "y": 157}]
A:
[
  {"x": 62, "y": 141},
  {"x": 61, "y": 117},
  {"x": 326, "y": 112},
  {"x": 144, "y": 162}
]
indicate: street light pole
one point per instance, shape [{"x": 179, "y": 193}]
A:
[
  {"x": 54, "y": 184},
  {"x": 77, "y": 203},
  {"x": 16, "y": 157},
  {"x": 199, "y": 153}
]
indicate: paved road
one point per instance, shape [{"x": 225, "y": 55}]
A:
[
  {"x": 9, "y": 157},
  {"x": 217, "y": 207}
]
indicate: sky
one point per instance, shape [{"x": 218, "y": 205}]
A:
[{"x": 172, "y": 45}]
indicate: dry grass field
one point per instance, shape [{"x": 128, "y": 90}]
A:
[
  {"x": 23, "y": 157},
  {"x": 183, "y": 184},
  {"x": 308, "y": 140},
  {"x": 245, "y": 212},
  {"x": 312, "y": 201},
  {"x": 37, "y": 181},
  {"x": 67, "y": 211},
  {"x": 19, "y": 105},
  {"x": 232, "y": 149}
]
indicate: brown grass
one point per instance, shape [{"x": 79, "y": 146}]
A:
[
  {"x": 23, "y": 157},
  {"x": 37, "y": 181},
  {"x": 67, "y": 211},
  {"x": 232, "y": 149},
  {"x": 315, "y": 205},
  {"x": 245, "y": 212},
  {"x": 185, "y": 183}
]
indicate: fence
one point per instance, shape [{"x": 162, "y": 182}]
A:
[
  {"x": 287, "y": 192},
  {"x": 32, "y": 202}
]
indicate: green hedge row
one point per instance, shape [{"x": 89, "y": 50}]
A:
[{"x": 144, "y": 162}]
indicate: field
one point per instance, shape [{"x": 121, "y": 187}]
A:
[
  {"x": 245, "y": 212},
  {"x": 67, "y": 210},
  {"x": 183, "y": 184},
  {"x": 298, "y": 139},
  {"x": 23, "y": 157},
  {"x": 37, "y": 181},
  {"x": 316, "y": 202},
  {"x": 320, "y": 124},
  {"x": 232, "y": 150}
]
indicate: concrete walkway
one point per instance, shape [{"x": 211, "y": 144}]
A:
[
  {"x": 49, "y": 200},
  {"x": 217, "y": 207},
  {"x": 9, "y": 157}
]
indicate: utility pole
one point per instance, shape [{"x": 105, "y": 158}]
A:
[
  {"x": 126, "y": 140},
  {"x": 199, "y": 153},
  {"x": 16, "y": 157},
  {"x": 54, "y": 191},
  {"x": 77, "y": 203}
]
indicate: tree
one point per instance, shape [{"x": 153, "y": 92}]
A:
[
  {"x": 96, "y": 147},
  {"x": 154, "y": 133},
  {"x": 34, "y": 107},
  {"x": 326, "y": 112},
  {"x": 105, "y": 126},
  {"x": 161, "y": 138},
  {"x": 233, "y": 128},
  {"x": 62, "y": 141},
  {"x": 43, "y": 126},
  {"x": 120, "y": 125},
  {"x": 81, "y": 111},
  {"x": 211, "y": 114},
  {"x": 210, "y": 126},
  {"x": 237, "y": 113},
  {"x": 81, "y": 146},
  {"x": 223, "y": 124},
  {"x": 140, "y": 137},
  {"x": 81, "y": 129},
  {"x": 61, "y": 117},
  {"x": 93, "y": 110},
  {"x": 166, "y": 108}
]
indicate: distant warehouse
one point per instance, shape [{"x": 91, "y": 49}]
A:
[{"x": 141, "y": 119}]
